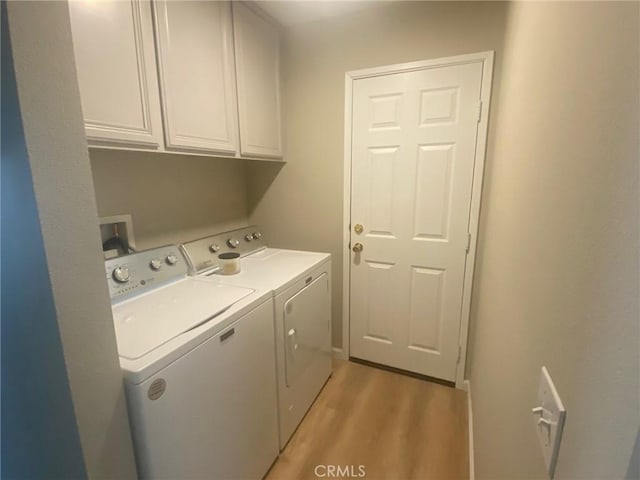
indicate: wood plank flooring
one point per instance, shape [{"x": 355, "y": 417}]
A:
[{"x": 397, "y": 427}]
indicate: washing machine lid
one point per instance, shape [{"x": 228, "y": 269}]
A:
[{"x": 144, "y": 323}]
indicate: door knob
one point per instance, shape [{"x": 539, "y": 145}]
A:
[
  {"x": 358, "y": 247},
  {"x": 358, "y": 228}
]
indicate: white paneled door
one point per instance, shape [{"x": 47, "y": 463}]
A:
[{"x": 412, "y": 166}]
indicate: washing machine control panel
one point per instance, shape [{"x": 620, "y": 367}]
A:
[
  {"x": 143, "y": 271},
  {"x": 121, "y": 274}
]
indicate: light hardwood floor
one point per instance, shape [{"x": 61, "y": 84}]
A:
[{"x": 397, "y": 427}]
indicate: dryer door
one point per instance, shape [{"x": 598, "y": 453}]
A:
[{"x": 306, "y": 328}]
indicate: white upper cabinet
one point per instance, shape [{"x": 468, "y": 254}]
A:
[
  {"x": 115, "y": 60},
  {"x": 257, "y": 52},
  {"x": 194, "y": 41},
  {"x": 215, "y": 89}
]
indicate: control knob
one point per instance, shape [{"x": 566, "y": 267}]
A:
[
  {"x": 257, "y": 235},
  {"x": 233, "y": 243},
  {"x": 155, "y": 264},
  {"x": 214, "y": 248},
  {"x": 248, "y": 237},
  {"x": 121, "y": 274},
  {"x": 171, "y": 259}
]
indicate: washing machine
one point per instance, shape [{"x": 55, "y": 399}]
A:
[
  {"x": 300, "y": 283},
  {"x": 199, "y": 368}
]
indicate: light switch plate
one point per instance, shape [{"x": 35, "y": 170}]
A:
[{"x": 549, "y": 418}]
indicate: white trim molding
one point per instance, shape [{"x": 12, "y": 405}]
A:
[
  {"x": 472, "y": 462},
  {"x": 339, "y": 354},
  {"x": 486, "y": 58}
]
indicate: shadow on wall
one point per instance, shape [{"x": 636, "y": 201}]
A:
[
  {"x": 260, "y": 176},
  {"x": 633, "y": 471},
  {"x": 39, "y": 431},
  {"x": 171, "y": 198}
]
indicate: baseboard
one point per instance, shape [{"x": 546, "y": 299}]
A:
[
  {"x": 339, "y": 353},
  {"x": 472, "y": 467}
]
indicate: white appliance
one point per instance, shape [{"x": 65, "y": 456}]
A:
[
  {"x": 300, "y": 283},
  {"x": 199, "y": 368}
]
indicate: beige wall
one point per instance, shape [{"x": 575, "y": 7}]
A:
[
  {"x": 172, "y": 198},
  {"x": 557, "y": 272},
  {"x": 300, "y": 204},
  {"x": 57, "y": 150}
]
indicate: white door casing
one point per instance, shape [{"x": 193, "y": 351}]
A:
[
  {"x": 116, "y": 66},
  {"x": 197, "y": 75},
  {"x": 412, "y": 152}
]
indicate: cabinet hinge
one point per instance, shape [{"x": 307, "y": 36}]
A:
[
  {"x": 479, "y": 110},
  {"x": 468, "y": 242}
]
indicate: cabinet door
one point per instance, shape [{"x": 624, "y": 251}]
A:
[
  {"x": 115, "y": 60},
  {"x": 194, "y": 41},
  {"x": 258, "y": 70}
]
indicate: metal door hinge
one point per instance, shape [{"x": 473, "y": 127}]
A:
[
  {"x": 468, "y": 242},
  {"x": 479, "y": 110}
]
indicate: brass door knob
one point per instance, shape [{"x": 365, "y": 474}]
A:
[
  {"x": 358, "y": 228},
  {"x": 358, "y": 247}
]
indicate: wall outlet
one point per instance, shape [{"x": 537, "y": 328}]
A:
[{"x": 549, "y": 418}]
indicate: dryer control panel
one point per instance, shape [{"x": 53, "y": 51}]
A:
[
  {"x": 202, "y": 254},
  {"x": 143, "y": 271}
]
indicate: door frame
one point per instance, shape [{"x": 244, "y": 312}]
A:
[{"x": 486, "y": 58}]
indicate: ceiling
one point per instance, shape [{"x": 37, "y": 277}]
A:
[{"x": 289, "y": 13}]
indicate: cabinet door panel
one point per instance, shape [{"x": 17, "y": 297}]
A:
[
  {"x": 258, "y": 70},
  {"x": 115, "y": 60},
  {"x": 195, "y": 53}
]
